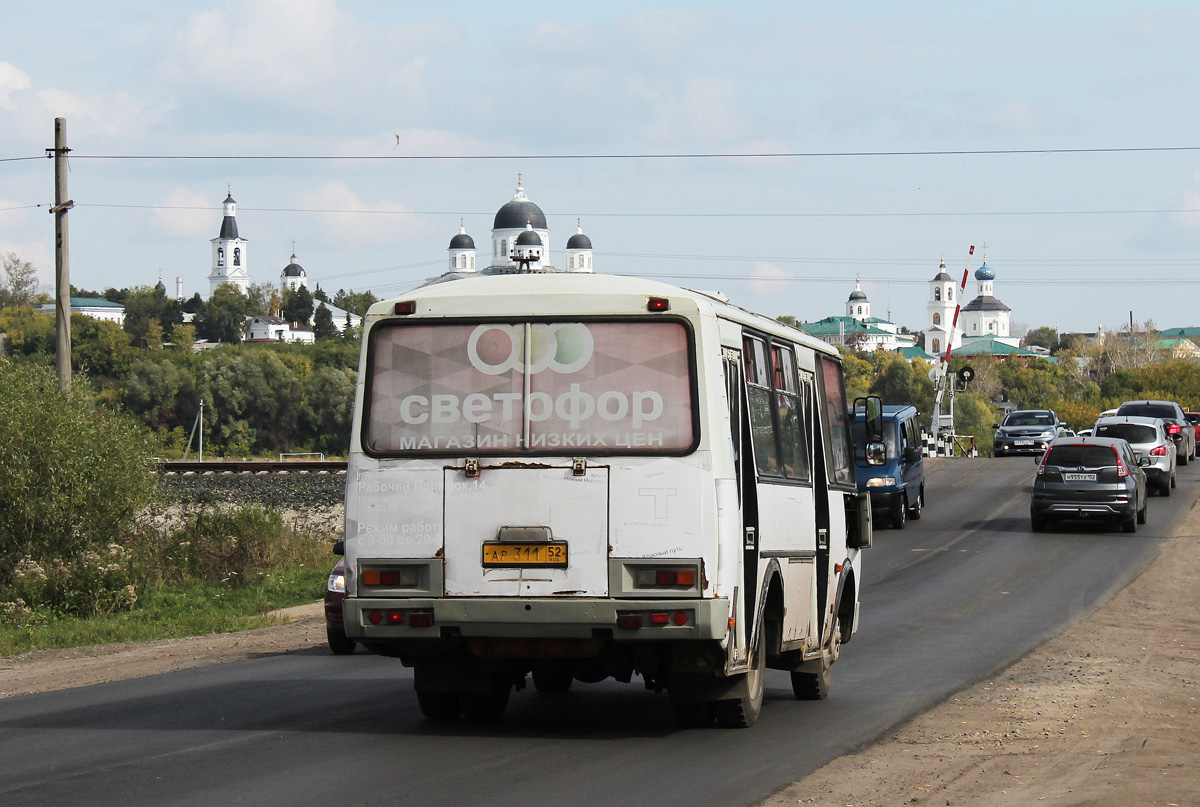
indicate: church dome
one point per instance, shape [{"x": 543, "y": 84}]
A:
[
  {"x": 462, "y": 241},
  {"x": 518, "y": 212},
  {"x": 160, "y": 286},
  {"x": 985, "y": 272},
  {"x": 858, "y": 294},
  {"x": 293, "y": 269},
  {"x": 579, "y": 241},
  {"x": 529, "y": 238}
]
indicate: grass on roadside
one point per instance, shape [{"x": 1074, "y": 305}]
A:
[
  {"x": 174, "y": 612},
  {"x": 211, "y": 570}
]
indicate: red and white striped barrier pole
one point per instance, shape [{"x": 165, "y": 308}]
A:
[{"x": 936, "y": 425}]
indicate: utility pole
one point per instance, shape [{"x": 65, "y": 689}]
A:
[{"x": 62, "y": 274}]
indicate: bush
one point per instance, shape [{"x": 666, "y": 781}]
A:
[
  {"x": 232, "y": 546},
  {"x": 72, "y": 475}
]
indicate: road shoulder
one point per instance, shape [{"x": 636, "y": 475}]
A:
[{"x": 1103, "y": 714}]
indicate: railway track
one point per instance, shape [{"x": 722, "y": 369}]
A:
[{"x": 254, "y": 467}]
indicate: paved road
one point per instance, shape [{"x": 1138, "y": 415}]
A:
[{"x": 947, "y": 601}]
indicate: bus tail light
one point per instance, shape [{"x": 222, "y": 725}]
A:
[
  {"x": 650, "y": 577},
  {"x": 629, "y": 621}
]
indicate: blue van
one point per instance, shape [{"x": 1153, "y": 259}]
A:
[{"x": 897, "y": 487}]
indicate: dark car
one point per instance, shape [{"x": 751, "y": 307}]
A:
[
  {"x": 1089, "y": 478},
  {"x": 1179, "y": 427},
  {"x": 1026, "y": 431},
  {"x": 335, "y": 628},
  {"x": 897, "y": 487}
]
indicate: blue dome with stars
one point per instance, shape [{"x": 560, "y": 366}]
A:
[{"x": 985, "y": 272}]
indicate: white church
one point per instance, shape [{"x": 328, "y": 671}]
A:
[
  {"x": 520, "y": 243},
  {"x": 984, "y": 318}
]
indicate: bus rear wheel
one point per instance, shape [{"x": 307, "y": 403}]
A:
[
  {"x": 743, "y": 711},
  {"x": 487, "y": 707},
  {"x": 815, "y": 686}
]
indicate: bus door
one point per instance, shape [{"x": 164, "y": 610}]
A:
[{"x": 743, "y": 456}]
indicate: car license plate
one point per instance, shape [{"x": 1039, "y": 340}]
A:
[
  {"x": 1023, "y": 442},
  {"x": 539, "y": 555},
  {"x": 1079, "y": 477}
]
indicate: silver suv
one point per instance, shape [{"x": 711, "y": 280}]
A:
[
  {"x": 1026, "y": 431},
  {"x": 1148, "y": 438},
  {"x": 1179, "y": 428}
]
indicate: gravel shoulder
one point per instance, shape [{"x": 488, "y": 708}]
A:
[{"x": 1103, "y": 714}]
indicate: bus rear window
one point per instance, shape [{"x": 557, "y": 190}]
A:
[{"x": 512, "y": 387}]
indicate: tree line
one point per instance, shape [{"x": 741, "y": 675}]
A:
[{"x": 259, "y": 398}]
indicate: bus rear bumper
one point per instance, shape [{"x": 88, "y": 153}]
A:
[{"x": 625, "y": 620}]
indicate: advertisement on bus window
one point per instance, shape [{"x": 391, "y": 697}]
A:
[{"x": 548, "y": 387}]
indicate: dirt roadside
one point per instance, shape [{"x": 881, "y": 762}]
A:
[{"x": 1104, "y": 714}]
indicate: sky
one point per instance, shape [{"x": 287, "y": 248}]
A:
[{"x": 869, "y": 140}]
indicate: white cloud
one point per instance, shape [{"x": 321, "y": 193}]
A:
[
  {"x": 12, "y": 81},
  {"x": 765, "y": 279},
  {"x": 187, "y": 214},
  {"x": 108, "y": 114},
  {"x": 310, "y": 51},
  {"x": 349, "y": 221}
]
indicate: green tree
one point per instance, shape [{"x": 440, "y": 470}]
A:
[
  {"x": 223, "y": 318},
  {"x": 146, "y": 306},
  {"x": 72, "y": 476},
  {"x": 100, "y": 348},
  {"x": 356, "y": 302},
  {"x": 329, "y": 405},
  {"x": 1044, "y": 336},
  {"x": 19, "y": 286},
  {"x": 323, "y": 327},
  {"x": 262, "y": 299},
  {"x": 858, "y": 374},
  {"x": 297, "y": 306}
]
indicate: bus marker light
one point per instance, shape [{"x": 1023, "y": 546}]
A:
[
  {"x": 406, "y": 307},
  {"x": 837, "y": 568},
  {"x": 658, "y": 304}
]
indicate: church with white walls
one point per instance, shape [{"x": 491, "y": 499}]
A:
[
  {"x": 520, "y": 242},
  {"x": 230, "y": 261},
  {"x": 984, "y": 318}
]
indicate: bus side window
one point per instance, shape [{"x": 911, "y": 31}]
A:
[
  {"x": 792, "y": 421},
  {"x": 840, "y": 456},
  {"x": 758, "y": 393}
]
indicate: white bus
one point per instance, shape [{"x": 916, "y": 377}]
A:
[{"x": 573, "y": 477}]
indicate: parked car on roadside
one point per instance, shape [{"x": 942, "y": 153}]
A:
[
  {"x": 1026, "y": 431},
  {"x": 1148, "y": 438},
  {"x": 1093, "y": 478},
  {"x": 335, "y": 628},
  {"x": 897, "y": 487},
  {"x": 1179, "y": 427}
]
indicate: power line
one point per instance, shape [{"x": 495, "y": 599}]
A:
[
  {"x": 638, "y": 156},
  {"x": 645, "y": 215}
]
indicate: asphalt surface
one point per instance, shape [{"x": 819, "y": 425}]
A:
[{"x": 950, "y": 599}]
